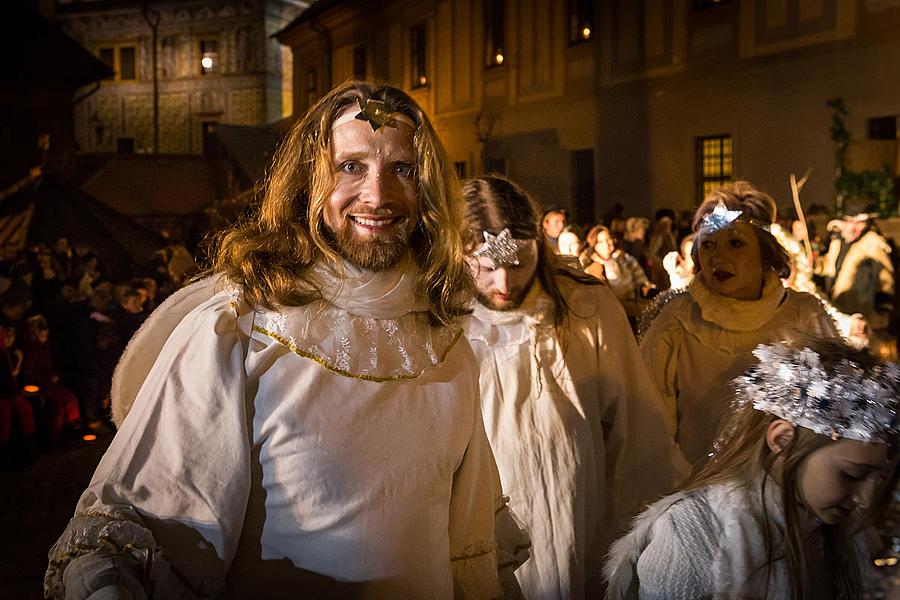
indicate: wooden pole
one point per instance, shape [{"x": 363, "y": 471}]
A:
[{"x": 796, "y": 186}]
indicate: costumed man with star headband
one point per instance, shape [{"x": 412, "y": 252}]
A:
[
  {"x": 306, "y": 421},
  {"x": 695, "y": 341},
  {"x": 570, "y": 411}
]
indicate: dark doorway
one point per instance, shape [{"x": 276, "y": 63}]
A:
[{"x": 583, "y": 187}]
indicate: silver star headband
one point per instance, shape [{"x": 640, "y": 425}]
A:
[
  {"x": 843, "y": 401},
  {"x": 502, "y": 249},
  {"x": 721, "y": 217}
]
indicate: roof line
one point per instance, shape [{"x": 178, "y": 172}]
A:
[{"x": 318, "y": 8}]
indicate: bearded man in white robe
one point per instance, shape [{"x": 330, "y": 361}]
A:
[
  {"x": 570, "y": 411},
  {"x": 305, "y": 422}
]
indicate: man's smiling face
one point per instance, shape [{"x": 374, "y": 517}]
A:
[{"x": 374, "y": 205}]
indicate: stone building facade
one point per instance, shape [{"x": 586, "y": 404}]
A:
[
  {"x": 646, "y": 103},
  {"x": 216, "y": 63}
]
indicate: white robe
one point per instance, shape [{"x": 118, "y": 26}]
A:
[
  {"x": 579, "y": 440},
  {"x": 331, "y": 449},
  {"x": 708, "y": 543},
  {"x": 700, "y": 341}
]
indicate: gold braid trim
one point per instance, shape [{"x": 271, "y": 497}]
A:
[
  {"x": 471, "y": 556},
  {"x": 344, "y": 373}
]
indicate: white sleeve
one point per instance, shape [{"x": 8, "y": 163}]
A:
[
  {"x": 677, "y": 563},
  {"x": 145, "y": 345},
  {"x": 472, "y": 546},
  {"x": 659, "y": 350},
  {"x": 169, "y": 496}
]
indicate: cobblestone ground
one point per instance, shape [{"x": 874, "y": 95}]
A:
[{"x": 36, "y": 503}]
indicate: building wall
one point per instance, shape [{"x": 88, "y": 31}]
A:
[
  {"x": 758, "y": 70},
  {"x": 656, "y": 75},
  {"x": 248, "y": 87},
  {"x": 534, "y": 109}
]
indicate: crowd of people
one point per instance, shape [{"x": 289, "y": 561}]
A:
[
  {"x": 391, "y": 385},
  {"x": 64, "y": 322},
  {"x": 851, "y": 268}
]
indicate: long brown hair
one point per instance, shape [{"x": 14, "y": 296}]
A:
[
  {"x": 269, "y": 255},
  {"x": 742, "y": 456},
  {"x": 494, "y": 203}
]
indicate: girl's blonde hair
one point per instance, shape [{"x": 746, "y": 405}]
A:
[
  {"x": 742, "y": 455},
  {"x": 270, "y": 254}
]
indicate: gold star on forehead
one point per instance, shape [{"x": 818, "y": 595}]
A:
[
  {"x": 375, "y": 112},
  {"x": 502, "y": 249}
]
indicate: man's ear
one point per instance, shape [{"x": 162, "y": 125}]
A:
[{"x": 779, "y": 435}]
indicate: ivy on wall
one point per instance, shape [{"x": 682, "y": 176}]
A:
[{"x": 875, "y": 186}]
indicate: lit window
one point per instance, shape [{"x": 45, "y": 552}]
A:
[
  {"x": 494, "y": 42},
  {"x": 359, "y": 62},
  {"x": 581, "y": 21},
  {"x": 714, "y": 163},
  {"x": 418, "y": 47},
  {"x": 209, "y": 56}
]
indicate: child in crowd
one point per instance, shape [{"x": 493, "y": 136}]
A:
[
  {"x": 803, "y": 465},
  {"x": 61, "y": 405},
  {"x": 680, "y": 264}
]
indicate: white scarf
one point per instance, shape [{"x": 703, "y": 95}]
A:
[
  {"x": 368, "y": 325},
  {"x": 738, "y": 315},
  {"x": 387, "y": 294}
]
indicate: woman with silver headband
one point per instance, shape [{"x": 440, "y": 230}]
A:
[{"x": 694, "y": 342}]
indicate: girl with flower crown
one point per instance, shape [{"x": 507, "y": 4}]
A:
[
  {"x": 803, "y": 465},
  {"x": 700, "y": 338}
]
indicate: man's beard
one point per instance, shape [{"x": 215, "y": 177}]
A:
[
  {"x": 511, "y": 304},
  {"x": 373, "y": 253}
]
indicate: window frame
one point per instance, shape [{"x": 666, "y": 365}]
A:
[
  {"x": 215, "y": 69},
  {"x": 725, "y": 158},
  {"x": 360, "y": 55},
  {"x": 418, "y": 56},
  {"x": 494, "y": 13},
  {"x": 581, "y": 15},
  {"x": 116, "y": 65},
  {"x": 697, "y": 5},
  {"x": 877, "y": 126},
  {"x": 312, "y": 85}
]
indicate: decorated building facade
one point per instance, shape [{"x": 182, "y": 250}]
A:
[{"x": 216, "y": 63}]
